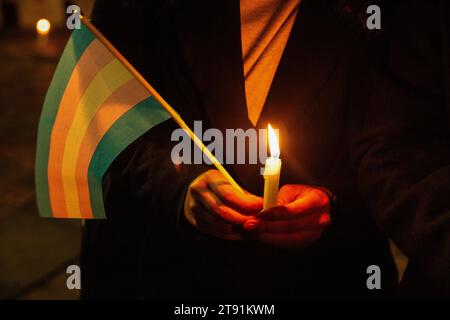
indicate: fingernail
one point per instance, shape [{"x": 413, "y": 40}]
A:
[{"x": 250, "y": 225}]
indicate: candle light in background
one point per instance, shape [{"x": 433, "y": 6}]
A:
[
  {"x": 272, "y": 171},
  {"x": 43, "y": 27}
]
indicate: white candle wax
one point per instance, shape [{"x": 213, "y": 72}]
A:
[
  {"x": 271, "y": 182},
  {"x": 272, "y": 171}
]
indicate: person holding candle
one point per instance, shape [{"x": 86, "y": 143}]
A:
[
  {"x": 214, "y": 207},
  {"x": 183, "y": 231}
]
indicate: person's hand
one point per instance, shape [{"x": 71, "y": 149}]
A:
[
  {"x": 303, "y": 212},
  {"x": 215, "y": 207}
]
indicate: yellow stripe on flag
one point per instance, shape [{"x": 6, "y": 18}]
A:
[
  {"x": 93, "y": 59},
  {"x": 111, "y": 77},
  {"x": 122, "y": 100}
]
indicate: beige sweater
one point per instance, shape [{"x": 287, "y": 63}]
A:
[{"x": 265, "y": 29}]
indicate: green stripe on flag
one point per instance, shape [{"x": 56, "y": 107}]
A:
[
  {"x": 78, "y": 42},
  {"x": 127, "y": 129}
]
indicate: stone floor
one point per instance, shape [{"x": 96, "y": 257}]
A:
[{"x": 34, "y": 252}]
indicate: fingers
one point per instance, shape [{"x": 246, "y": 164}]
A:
[
  {"x": 297, "y": 240},
  {"x": 213, "y": 204},
  {"x": 244, "y": 202},
  {"x": 308, "y": 222},
  {"x": 199, "y": 217},
  {"x": 290, "y": 192},
  {"x": 214, "y": 207},
  {"x": 293, "y": 233},
  {"x": 306, "y": 201},
  {"x": 211, "y": 225},
  {"x": 215, "y": 194},
  {"x": 217, "y": 207},
  {"x": 298, "y": 221}
]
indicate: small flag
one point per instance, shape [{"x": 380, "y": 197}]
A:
[{"x": 94, "y": 108}]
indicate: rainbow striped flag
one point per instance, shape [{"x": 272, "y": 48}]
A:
[{"x": 94, "y": 108}]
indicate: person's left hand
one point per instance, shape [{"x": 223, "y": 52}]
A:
[{"x": 302, "y": 214}]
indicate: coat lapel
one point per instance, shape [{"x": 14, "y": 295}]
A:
[
  {"x": 300, "y": 101},
  {"x": 212, "y": 48}
]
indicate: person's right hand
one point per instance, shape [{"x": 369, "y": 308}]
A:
[{"x": 215, "y": 207}]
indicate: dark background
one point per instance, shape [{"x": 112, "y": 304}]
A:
[{"x": 34, "y": 252}]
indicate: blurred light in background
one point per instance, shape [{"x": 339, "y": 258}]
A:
[{"x": 43, "y": 27}]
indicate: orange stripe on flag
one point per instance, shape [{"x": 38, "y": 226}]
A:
[
  {"x": 122, "y": 100},
  {"x": 93, "y": 59}
]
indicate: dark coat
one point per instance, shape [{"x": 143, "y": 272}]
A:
[{"x": 360, "y": 114}]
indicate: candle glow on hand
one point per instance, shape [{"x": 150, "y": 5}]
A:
[{"x": 272, "y": 171}]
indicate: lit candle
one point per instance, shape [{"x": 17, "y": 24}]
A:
[
  {"x": 272, "y": 172},
  {"x": 42, "y": 29}
]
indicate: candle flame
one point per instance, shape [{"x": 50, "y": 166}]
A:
[
  {"x": 273, "y": 143},
  {"x": 43, "y": 27}
]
